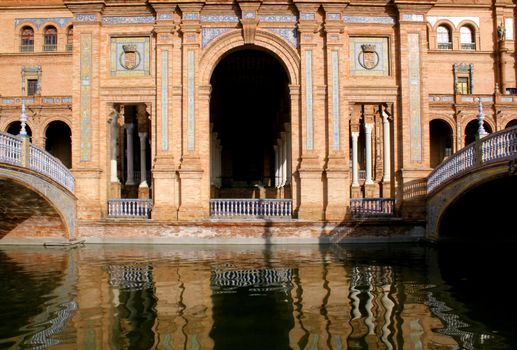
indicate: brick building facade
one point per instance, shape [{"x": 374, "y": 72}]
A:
[{"x": 319, "y": 102}]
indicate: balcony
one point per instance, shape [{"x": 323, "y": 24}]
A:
[
  {"x": 444, "y": 46},
  {"x": 49, "y": 47},
  {"x": 130, "y": 208},
  {"x": 26, "y": 48},
  {"x": 468, "y": 46}
]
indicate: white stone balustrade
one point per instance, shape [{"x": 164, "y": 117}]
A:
[
  {"x": 129, "y": 208},
  {"x": 10, "y": 149},
  {"x": 250, "y": 208},
  {"x": 44, "y": 163},
  {"x": 13, "y": 151},
  {"x": 495, "y": 147},
  {"x": 372, "y": 207}
]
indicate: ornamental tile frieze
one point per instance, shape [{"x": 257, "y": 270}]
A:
[
  {"x": 368, "y": 20},
  {"x": 128, "y": 20},
  {"x": 209, "y": 34},
  {"x": 219, "y": 18},
  {"x": 289, "y": 34},
  {"x": 278, "y": 18},
  {"x": 38, "y": 22}
]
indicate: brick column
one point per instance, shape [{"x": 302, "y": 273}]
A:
[
  {"x": 310, "y": 187},
  {"x": 88, "y": 138},
  {"x": 414, "y": 119},
  {"x": 195, "y": 153},
  {"x": 164, "y": 166},
  {"x": 337, "y": 172}
]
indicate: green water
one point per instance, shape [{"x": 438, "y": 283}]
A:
[{"x": 458, "y": 296}]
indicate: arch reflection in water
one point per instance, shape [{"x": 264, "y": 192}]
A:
[{"x": 242, "y": 298}]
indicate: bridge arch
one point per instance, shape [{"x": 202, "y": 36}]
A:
[
  {"x": 34, "y": 184},
  {"x": 491, "y": 158},
  {"x": 25, "y": 190}
]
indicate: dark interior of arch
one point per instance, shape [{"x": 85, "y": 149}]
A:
[
  {"x": 59, "y": 142},
  {"x": 486, "y": 211},
  {"x": 15, "y": 127},
  {"x": 249, "y": 105}
]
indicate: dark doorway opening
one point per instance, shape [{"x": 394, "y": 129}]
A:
[
  {"x": 440, "y": 141},
  {"x": 59, "y": 142},
  {"x": 250, "y": 124}
]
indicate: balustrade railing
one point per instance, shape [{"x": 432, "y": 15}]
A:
[
  {"x": 14, "y": 150},
  {"x": 43, "y": 162},
  {"x": 495, "y": 147},
  {"x": 251, "y": 208},
  {"x": 372, "y": 207},
  {"x": 130, "y": 208},
  {"x": 499, "y": 146},
  {"x": 10, "y": 149}
]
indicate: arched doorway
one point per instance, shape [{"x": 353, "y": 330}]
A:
[
  {"x": 58, "y": 142},
  {"x": 511, "y": 123},
  {"x": 250, "y": 127},
  {"x": 472, "y": 129},
  {"x": 15, "y": 127},
  {"x": 440, "y": 141}
]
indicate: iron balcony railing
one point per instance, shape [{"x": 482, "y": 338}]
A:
[
  {"x": 468, "y": 46},
  {"x": 445, "y": 46},
  {"x": 49, "y": 47},
  {"x": 27, "y": 48}
]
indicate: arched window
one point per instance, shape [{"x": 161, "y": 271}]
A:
[
  {"x": 443, "y": 38},
  {"x": 69, "y": 38},
  {"x": 467, "y": 38},
  {"x": 50, "y": 39},
  {"x": 27, "y": 43}
]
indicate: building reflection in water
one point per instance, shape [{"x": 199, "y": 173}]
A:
[{"x": 234, "y": 298}]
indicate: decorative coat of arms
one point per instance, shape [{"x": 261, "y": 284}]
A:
[
  {"x": 130, "y": 58},
  {"x": 368, "y": 57}
]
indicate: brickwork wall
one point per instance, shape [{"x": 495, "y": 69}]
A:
[{"x": 188, "y": 41}]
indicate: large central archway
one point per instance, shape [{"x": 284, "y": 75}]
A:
[{"x": 250, "y": 124}]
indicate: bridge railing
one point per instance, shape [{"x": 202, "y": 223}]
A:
[
  {"x": 495, "y": 147},
  {"x": 41, "y": 161},
  {"x": 10, "y": 149},
  {"x": 372, "y": 207},
  {"x": 18, "y": 151},
  {"x": 250, "y": 207}
]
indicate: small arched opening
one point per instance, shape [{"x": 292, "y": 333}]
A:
[
  {"x": 511, "y": 123},
  {"x": 15, "y": 127},
  {"x": 58, "y": 142},
  {"x": 50, "y": 39},
  {"x": 471, "y": 130},
  {"x": 440, "y": 141}
]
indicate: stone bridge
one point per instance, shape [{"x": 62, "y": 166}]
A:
[
  {"x": 488, "y": 159},
  {"x": 36, "y": 192}
]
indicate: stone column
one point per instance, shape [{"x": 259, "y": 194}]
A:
[
  {"x": 368, "y": 146},
  {"x": 115, "y": 186},
  {"x": 386, "y": 178},
  {"x": 277, "y": 177},
  {"x": 129, "y": 153},
  {"x": 355, "y": 164},
  {"x": 284, "y": 158},
  {"x": 143, "y": 188}
]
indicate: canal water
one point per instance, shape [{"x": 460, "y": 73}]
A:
[{"x": 454, "y": 296}]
